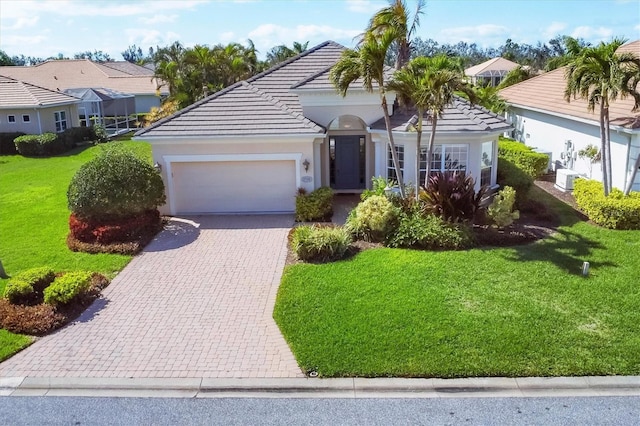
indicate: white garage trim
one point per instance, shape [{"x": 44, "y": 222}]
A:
[{"x": 169, "y": 159}]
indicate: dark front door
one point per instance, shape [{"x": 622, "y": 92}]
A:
[{"x": 348, "y": 162}]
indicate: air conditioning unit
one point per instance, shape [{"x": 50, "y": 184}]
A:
[{"x": 565, "y": 178}]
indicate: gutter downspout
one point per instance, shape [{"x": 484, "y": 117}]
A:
[
  {"x": 39, "y": 123},
  {"x": 626, "y": 168}
]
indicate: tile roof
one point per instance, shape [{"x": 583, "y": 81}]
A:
[
  {"x": 459, "y": 117},
  {"x": 491, "y": 67},
  {"x": 261, "y": 105},
  {"x": 268, "y": 104},
  {"x": 17, "y": 94},
  {"x": 546, "y": 92},
  {"x": 75, "y": 73}
]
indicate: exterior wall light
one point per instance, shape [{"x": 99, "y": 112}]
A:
[
  {"x": 306, "y": 165},
  {"x": 158, "y": 167}
]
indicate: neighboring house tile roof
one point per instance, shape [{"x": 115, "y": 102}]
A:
[
  {"x": 126, "y": 67},
  {"x": 69, "y": 74},
  {"x": 492, "y": 67},
  {"x": 18, "y": 94},
  {"x": 261, "y": 105},
  {"x": 546, "y": 92},
  {"x": 458, "y": 117}
]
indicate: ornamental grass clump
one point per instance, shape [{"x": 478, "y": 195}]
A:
[
  {"x": 374, "y": 219},
  {"x": 320, "y": 243}
]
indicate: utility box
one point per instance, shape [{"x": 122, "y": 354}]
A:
[{"x": 565, "y": 178}]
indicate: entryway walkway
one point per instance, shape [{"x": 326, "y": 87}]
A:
[{"x": 197, "y": 302}]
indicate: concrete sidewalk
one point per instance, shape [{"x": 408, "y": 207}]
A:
[{"x": 351, "y": 388}]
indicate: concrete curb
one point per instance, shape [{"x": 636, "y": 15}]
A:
[{"x": 322, "y": 388}]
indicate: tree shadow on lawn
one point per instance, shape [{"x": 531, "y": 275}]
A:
[{"x": 565, "y": 249}]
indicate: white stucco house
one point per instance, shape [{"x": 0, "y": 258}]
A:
[
  {"x": 490, "y": 72},
  {"x": 249, "y": 147},
  {"x": 32, "y": 109},
  {"x": 544, "y": 120}
]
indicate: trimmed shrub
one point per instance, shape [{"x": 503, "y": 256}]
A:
[
  {"x": 315, "y": 206},
  {"x": 374, "y": 219},
  {"x": 501, "y": 209},
  {"x": 452, "y": 196},
  {"x": 114, "y": 230},
  {"x": 509, "y": 174},
  {"x": 28, "y": 285},
  {"x": 74, "y": 136},
  {"x": 7, "y": 144},
  {"x": 40, "y": 145},
  {"x": 525, "y": 158},
  {"x": 616, "y": 211},
  {"x": 115, "y": 183},
  {"x": 429, "y": 232},
  {"x": 66, "y": 287},
  {"x": 320, "y": 244}
]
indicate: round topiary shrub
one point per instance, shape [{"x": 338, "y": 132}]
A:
[
  {"x": 373, "y": 219},
  {"x": 115, "y": 184}
]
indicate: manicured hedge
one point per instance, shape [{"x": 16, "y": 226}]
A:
[
  {"x": 24, "y": 286},
  {"x": 320, "y": 244},
  {"x": 7, "y": 146},
  {"x": 615, "y": 211},
  {"x": 114, "y": 230},
  {"x": 316, "y": 206},
  {"x": 65, "y": 288},
  {"x": 531, "y": 162},
  {"x": 48, "y": 144}
]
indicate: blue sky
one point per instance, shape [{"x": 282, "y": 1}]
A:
[{"x": 46, "y": 28}]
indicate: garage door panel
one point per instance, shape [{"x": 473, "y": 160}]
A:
[{"x": 234, "y": 186}]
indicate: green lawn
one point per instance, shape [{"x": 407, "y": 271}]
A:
[
  {"x": 34, "y": 220},
  {"x": 520, "y": 311}
]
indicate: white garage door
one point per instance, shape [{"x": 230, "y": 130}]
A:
[{"x": 234, "y": 186}]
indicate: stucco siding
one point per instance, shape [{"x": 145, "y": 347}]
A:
[
  {"x": 549, "y": 133},
  {"x": 144, "y": 103},
  {"x": 41, "y": 120}
]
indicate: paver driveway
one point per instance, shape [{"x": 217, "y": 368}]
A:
[{"x": 196, "y": 303}]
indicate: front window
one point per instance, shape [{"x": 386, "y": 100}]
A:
[
  {"x": 391, "y": 171},
  {"x": 61, "y": 121},
  {"x": 486, "y": 163},
  {"x": 445, "y": 158},
  {"x": 26, "y": 118},
  {"x": 11, "y": 118}
]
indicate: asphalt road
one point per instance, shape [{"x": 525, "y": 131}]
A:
[{"x": 248, "y": 411}]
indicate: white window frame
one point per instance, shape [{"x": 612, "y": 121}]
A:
[
  {"x": 391, "y": 170},
  {"x": 28, "y": 118},
  {"x": 11, "y": 119},
  {"x": 483, "y": 166},
  {"x": 442, "y": 151},
  {"x": 60, "y": 119}
]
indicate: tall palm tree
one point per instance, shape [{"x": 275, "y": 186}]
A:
[
  {"x": 600, "y": 75},
  {"x": 572, "y": 48},
  {"x": 430, "y": 84},
  {"x": 396, "y": 19},
  {"x": 282, "y": 52},
  {"x": 366, "y": 62}
]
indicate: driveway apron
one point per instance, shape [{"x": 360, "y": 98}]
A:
[{"x": 197, "y": 302}]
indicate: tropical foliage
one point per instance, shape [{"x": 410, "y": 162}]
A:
[
  {"x": 600, "y": 76},
  {"x": 282, "y": 52}
]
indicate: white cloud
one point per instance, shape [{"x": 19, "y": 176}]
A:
[
  {"x": 364, "y": 6},
  {"x": 158, "y": 19},
  {"x": 17, "y": 41},
  {"x": 143, "y": 37},
  {"x": 637, "y": 27},
  {"x": 485, "y": 34},
  {"x": 268, "y": 35},
  {"x": 554, "y": 29},
  {"x": 592, "y": 33},
  {"x": 227, "y": 37},
  {"x": 22, "y": 22}
]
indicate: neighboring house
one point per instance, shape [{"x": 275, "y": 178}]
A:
[
  {"x": 32, "y": 109},
  {"x": 249, "y": 147},
  {"x": 123, "y": 77},
  {"x": 543, "y": 119},
  {"x": 490, "y": 72}
]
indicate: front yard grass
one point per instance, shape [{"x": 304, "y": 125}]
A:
[
  {"x": 518, "y": 311},
  {"x": 35, "y": 220}
]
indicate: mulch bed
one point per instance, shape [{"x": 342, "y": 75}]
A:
[
  {"x": 535, "y": 223},
  {"x": 39, "y": 319}
]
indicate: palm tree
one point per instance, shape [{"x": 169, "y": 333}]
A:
[
  {"x": 488, "y": 97},
  {"x": 601, "y": 76},
  {"x": 516, "y": 75},
  {"x": 282, "y": 52},
  {"x": 366, "y": 62},
  {"x": 431, "y": 83},
  {"x": 572, "y": 48},
  {"x": 395, "y": 19}
]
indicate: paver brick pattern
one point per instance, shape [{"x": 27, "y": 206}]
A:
[{"x": 198, "y": 302}]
